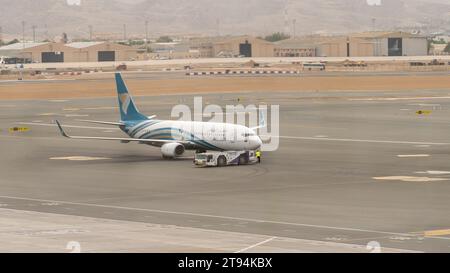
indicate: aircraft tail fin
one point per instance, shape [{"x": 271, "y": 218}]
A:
[{"x": 128, "y": 110}]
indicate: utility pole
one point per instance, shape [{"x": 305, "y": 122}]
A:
[
  {"x": 23, "y": 34},
  {"x": 34, "y": 33},
  {"x": 90, "y": 32},
  {"x": 294, "y": 23},
  {"x": 146, "y": 35},
  {"x": 146, "y": 30},
  {"x": 218, "y": 27}
]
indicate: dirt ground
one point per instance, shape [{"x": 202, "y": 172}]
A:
[{"x": 87, "y": 89}]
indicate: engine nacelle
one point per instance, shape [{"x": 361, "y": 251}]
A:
[{"x": 172, "y": 150}]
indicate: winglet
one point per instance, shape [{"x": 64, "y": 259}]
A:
[
  {"x": 262, "y": 121},
  {"x": 61, "y": 129}
]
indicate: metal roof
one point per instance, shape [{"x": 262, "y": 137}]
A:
[
  {"x": 83, "y": 44},
  {"x": 20, "y": 46}
]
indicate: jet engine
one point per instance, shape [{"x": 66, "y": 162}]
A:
[{"x": 172, "y": 150}]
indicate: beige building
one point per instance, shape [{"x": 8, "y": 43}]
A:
[
  {"x": 356, "y": 45},
  {"x": 73, "y": 52},
  {"x": 101, "y": 52},
  {"x": 395, "y": 43},
  {"x": 345, "y": 47},
  {"x": 245, "y": 46},
  {"x": 294, "y": 48}
]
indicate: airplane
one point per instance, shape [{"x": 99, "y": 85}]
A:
[{"x": 174, "y": 137}]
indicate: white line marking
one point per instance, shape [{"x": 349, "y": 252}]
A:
[
  {"x": 256, "y": 245},
  {"x": 216, "y": 216},
  {"x": 68, "y": 126},
  {"x": 394, "y": 99},
  {"x": 434, "y": 172},
  {"x": 410, "y": 179},
  {"x": 76, "y": 115},
  {"x": 48, "y": 114},
  {"x": 420, "y": 155},
  {"x": 360, "y": 140}
]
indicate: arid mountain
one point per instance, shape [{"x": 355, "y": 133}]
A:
[{"x": 210, "y": 17}]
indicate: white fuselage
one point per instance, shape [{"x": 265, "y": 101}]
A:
[{"x": 202, "y": 135}]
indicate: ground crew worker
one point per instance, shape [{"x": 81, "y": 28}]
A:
[{"x": 258, "y": 155}]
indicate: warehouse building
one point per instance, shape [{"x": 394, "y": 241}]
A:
[
  {"x": 396, "y": 43},
  {"x": 101, "y": 52},
  {"x": 354, "y": 45},
  {"x": 294, "y": 48},
  {"x": 36, "y": 52},
  {"x": 243, "y": 46},
  {"x": 74, "y": 52}
]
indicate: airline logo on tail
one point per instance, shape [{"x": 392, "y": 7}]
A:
[{"x": 125, "y": 100}]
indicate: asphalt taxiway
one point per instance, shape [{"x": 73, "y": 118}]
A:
[{"x": 353, "y": 169}]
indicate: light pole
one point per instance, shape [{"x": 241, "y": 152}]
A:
[
  {"x": 23, "y": 34},
  {"x": 90, "y": 32},
  {"x": 34, "y": 33},
  {"x": 146, "y": 35}
]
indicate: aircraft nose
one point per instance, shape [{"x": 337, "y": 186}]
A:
[{"x": 256, "y": 143}]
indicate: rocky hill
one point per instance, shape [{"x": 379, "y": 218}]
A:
[{"x": 257, "y": 17}]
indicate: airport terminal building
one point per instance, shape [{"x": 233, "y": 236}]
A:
[{"x": 49, "y": 52}]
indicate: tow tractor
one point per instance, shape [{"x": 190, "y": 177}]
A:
[{"x": 226, "y": 158}]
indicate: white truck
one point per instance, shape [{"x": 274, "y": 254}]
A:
[{"x": 226, "y": 158}]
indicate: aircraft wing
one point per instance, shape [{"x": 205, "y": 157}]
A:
[
  {"x": 148, "y": 141},
  {"x": 102, "y": 122}
]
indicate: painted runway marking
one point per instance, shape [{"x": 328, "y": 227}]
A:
[
  {"x": 434, "y": 172},
  {"x": 75, "y": 115},
  {"x": 261, "y": 221},
  {"x": 401, "y": 98},
  {"x": 441, "y": 232},
  {"x": 410, "y": 178},
  {"x": 79, "y": 158},
  {"x": 68, "y": 126},
  {"x": 418, "y": 155},
  {"x": 48, "y": 114},
  {"x": 425, "y": 104},
  {"x": 256, "y": 245},
  {"x": 359, "y": 140},
  {"x": 99, "y": 108}
]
